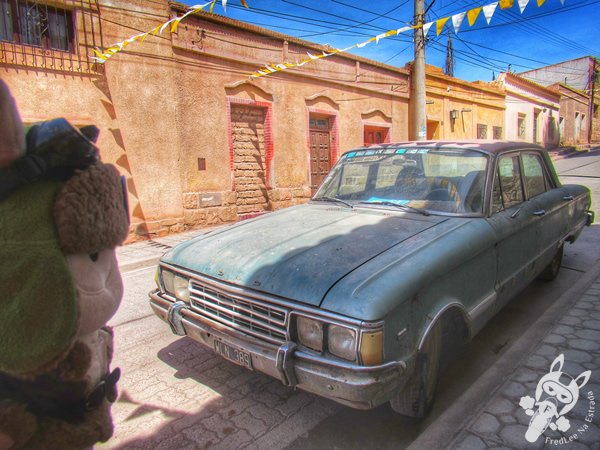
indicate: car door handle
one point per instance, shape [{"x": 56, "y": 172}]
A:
[
  {"x": 568, "y": 198},
  {"x": 516, "y": 213},
  {"x": 541, "y": 212}
]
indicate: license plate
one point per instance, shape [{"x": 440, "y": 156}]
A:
[{"x": 233, "y": 354}]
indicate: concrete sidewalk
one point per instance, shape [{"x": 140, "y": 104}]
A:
[
  {"x": 568, "y": 152},
  {"x": 489, "y": 414},
  {"x": 147, "y": 253}
]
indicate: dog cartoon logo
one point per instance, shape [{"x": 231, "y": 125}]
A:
[{"x": 556, "y": 394}]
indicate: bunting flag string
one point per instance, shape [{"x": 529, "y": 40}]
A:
[
  {"x": 457, "y": 21},
  {"x": 102, "y": 56}
]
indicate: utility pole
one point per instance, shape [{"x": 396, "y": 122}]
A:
[
  {"x": 419, "y": 122},
  {"x": 592, "y": 85},
  {"x": 449, "y": 56}
]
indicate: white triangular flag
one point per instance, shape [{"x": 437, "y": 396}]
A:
[
  {"x": 522, "y": 5},
  {"x": 457, "y": 20},
  {"x": 403, "y": 29},
  {"x": 426, "y": 28},
  {"x": 488, "y": 11}
]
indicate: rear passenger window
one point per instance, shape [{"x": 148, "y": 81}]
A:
[
  {"x": 508, "y": 190},
  {"x": 533, "y": 175}
]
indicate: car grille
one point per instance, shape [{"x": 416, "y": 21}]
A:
[{"x": 256, "y": 318}]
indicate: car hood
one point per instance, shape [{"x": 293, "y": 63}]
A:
[{"x": 298, "y": 253}]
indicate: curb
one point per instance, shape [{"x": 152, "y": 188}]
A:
[
  {"x": 570, "y": 152},
  {"x": 139, "y": 264},
  {"x": 452, "y": 422}
]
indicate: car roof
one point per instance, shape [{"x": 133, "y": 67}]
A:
[{"x": 492, "y": 147}]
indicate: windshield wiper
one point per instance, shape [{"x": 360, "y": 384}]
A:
[
  {"x": 399, "y": 206},
  {"x": 333, "y": 200}
]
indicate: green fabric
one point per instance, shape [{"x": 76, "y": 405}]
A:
[{"x": 38, "y": 302}]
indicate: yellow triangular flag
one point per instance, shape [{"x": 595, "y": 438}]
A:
[
  {"x": 505, "y": 4},
  {"x": 541, "y": 2},
  {"x": 472, "y": 15},
  {"x": 439, "y": 24}
]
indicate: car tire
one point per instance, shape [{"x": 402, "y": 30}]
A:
[
  {"x": 416, "y": 397},
  {"x": 552, "y": 269}
]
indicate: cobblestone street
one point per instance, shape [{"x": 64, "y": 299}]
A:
[{"x": 500, "y": 422}]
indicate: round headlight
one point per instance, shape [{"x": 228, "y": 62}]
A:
[
  {"x": 342, "y": 342},
  {"x": 181, "y": 288},
  {"x": 310, "y": 333}
]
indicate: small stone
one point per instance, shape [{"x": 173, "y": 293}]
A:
[
  {"x": 584, "y": 344},
  {"x": 577, "y": 356},
  {"x": 593, "y": 335},
  {"x": 569, "y": 320},
  {"x": 537, "y": 362},
  {"x": 524, "y": 374},
  {"x": 546, "y": 350},
  {"x": 508, "y": 420},
  {"x": 501, "y": 405},
  {"x": 471, "y": 443},
  {"x": 563, "y": 330},
  {"x": 514, "y": 391},
  {"x": 554, "y": 339},
  {"x": 486, "y": 424},
  {"x": 514, "y": 435},
  {"x": 593, "y": 324}
]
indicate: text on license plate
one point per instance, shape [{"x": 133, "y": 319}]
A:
[{"x": 236, "y": 355}]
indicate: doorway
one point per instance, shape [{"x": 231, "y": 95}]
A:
[{"x": 320, "y": 150}]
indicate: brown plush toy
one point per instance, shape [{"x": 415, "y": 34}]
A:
[{"x": 62, "y": 213}]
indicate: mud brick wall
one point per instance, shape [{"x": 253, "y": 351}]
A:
[{"x": 249, "y": 159}]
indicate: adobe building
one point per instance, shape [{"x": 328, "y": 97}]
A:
[
  {"x": 531, "y": 111},
  {"x": 199, "y": 141},
  {"x": 573, "y": 122},
  {"x": 458, "y": 109},
  {"x": 579, "y": 79}
]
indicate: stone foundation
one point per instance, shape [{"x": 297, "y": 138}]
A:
[{"x": 201, "y": 209}]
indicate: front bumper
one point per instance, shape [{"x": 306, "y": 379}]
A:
[{"x": 361, "y": 387}]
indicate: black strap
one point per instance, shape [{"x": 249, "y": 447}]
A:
[
  {"x": 23, "y": 171},
  {"x": 45, "y": 396}
]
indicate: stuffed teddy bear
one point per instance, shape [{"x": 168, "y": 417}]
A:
[{"x": 62, "y": 213}]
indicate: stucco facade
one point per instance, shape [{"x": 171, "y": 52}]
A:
[
  {"x": 198, "y": 140},
  {"x": 457, "y": 109},
  {"x": 532, "y": 111},
  {"x": 579, "y": 79},
  {"x": 574, "y": 109}
]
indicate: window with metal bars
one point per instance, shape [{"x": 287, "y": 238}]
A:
[
  {"x": 497, "y": 132},
  {"x": 55, "y": 35},
  {"x": 37, "y": 24},
  {"x": 482, "y": 131}
]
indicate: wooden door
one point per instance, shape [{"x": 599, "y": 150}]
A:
[{"x": 320, "y": 152}]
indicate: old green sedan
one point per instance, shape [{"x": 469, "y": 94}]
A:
[{"x": 405, "y": 250}]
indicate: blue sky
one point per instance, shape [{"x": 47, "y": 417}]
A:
[{"x": 540, "y": 36}]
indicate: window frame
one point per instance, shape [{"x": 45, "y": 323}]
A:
[
  {"x": 20, "y": 36},
  {"x": 482, "y": 131},
  {"x": 522, "y": 119},
  {"x": 549, "y": 182}
]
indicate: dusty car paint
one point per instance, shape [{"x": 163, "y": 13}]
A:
[
  {"x": 332, "y": 240},
  {"x": 372, "y": 268}
]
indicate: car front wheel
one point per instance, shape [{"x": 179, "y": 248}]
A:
[{"x": 416, "y": 397}]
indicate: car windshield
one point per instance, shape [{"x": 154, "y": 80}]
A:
[{"x": 427, "y": 179}]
